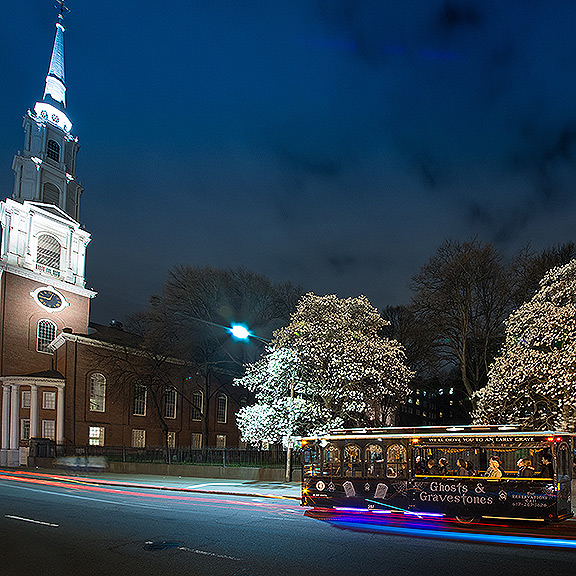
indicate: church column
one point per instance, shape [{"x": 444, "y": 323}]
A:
[
  {"x": 33, "y": 411},
  {"x": 60, "y": 415},
  {"x": 5, "y": 416},
  {"x": 15, "y": 418}
]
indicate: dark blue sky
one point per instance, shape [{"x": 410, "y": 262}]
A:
[{"x": 333, "y": 143}]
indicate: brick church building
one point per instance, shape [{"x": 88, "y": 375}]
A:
[{"x": 52, "y": 382}]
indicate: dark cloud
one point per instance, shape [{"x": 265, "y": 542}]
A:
[{"x": 335, "y": 143}]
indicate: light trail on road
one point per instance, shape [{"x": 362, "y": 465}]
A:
[{"x": 69, "y": 484}]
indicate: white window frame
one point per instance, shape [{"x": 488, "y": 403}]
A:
[
  {"x": 26, "y": 396},
  {"x": 140, "y": 400},
  {"x": 197, "y": 407},
  {"x": 49, "y": 429},
  {"x": 48, "y": 252},
  {"x": 48, "y": 400},
  {"x": 222, "y": 409},
  {"x": 138, "y": 438},
  {"x": 25, "y": 429},
  {"x": 196, "y": 441},
  {"x": 220, "y": 441},
  {"x": 96, "y": 435},
  {"x": 170, "y": 401},
  {"x": 171, "y": 439},
  {"x": 44, "y": 336},
  {"x": 97, "y": 400}
]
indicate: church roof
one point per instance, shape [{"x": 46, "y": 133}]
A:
[
  {"x": 54, "y": 210},
  {"x": 46, "y": 374},
  {"x": 114, "y": 334}
]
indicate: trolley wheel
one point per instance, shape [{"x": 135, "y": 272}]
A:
[{"x": 466, "y": 519}]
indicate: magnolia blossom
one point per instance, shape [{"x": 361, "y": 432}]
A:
[
  {"x": 327, "y": 368},
  {"x": 533, "y": 381}
]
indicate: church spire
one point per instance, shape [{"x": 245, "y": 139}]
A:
[
  {"x": 52, "y": 108},
  {"x": 55, "y": 90}
]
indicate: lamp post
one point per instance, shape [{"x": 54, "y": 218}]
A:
[{"x": 242, "y": 333}]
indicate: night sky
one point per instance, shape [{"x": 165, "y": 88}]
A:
[{"x": 332, "y": 143}]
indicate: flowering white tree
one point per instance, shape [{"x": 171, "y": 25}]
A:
[
  {"x": 328, "y": 368},
  {"x": 533, "y": 381}
]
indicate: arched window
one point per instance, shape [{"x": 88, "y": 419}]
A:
[
  {"x": 53, "y": 150},
  {"x": 48, "y": 253},
  {"x": 97, "y": 392},
  {"x": 331, "y": 460},
  {"x": 51, "y": 194},
  {"x": 45, "y": 334},
  {"x": 396, "y": 461},
  {"x": 197, "y": 405},
  {"x": 222, "y": 409},
  {"x": 353, "y": 460},
  {"x": 375, "y": 464}
]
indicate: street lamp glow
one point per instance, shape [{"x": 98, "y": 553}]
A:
[{"x": 239, "y": 332}]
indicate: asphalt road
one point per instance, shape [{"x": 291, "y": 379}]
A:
[{"x": 57, "y": 528}]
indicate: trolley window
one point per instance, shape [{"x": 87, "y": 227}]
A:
[
  {"x": 375, "y": 464},
  {"x": 396, "y": 461}
]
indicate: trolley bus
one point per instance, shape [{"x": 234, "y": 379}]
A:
[{"x": 382, "y": 469}]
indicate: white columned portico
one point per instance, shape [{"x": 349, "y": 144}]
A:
[
  {"x": 5, "y": 416},
  {"x": 60, "y": 414},
  {"x": 15, "y": 417},
  {"x": 33, "y": 411}
]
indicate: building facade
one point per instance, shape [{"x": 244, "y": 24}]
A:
[{"x": 53, "y": 384}]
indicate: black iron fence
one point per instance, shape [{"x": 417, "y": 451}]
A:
[{"x": 273, "y": 458}]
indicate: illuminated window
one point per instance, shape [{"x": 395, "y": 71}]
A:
[
  {"x": 171, "y": 438},
  {"x": 51, "y": 194},
  {"x": 138, "y": 438},
  {"x": 25, "y": 429},
  {"x": 46, "y": 333},
  {"x": 353, "y": 460},
  {"x": 48, "y": 253},
  {"x": 25, "y": 398},
  {"x": 221, "y": 441},
  {"x": 196, "y": 441},
  {"x": 374, "y": 460},
  {"x": 97, "y": 393},
  {"x": 96, "y": 435},
  {"x": 222, "y": 409},
  {"x": 170, "y": 403},
  {"x": 53, "y": 150},
  {"x": 49, "y": 400},
  {"x": 396, "y": 461},
  {"x": 197, "y": 405},
  {"x": 140, "y": 396},
  {"x": 49, "y": 429}
]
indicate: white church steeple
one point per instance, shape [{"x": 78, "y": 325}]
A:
[
  {"x": 42, "y": 239},
  {"x": 45, "y": 170}
]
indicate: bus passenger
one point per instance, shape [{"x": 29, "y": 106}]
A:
[
  {"x": 433, "y": 469},
  {"x": 470, "y": 468},
  {"x": 461, "y": 469},
  {"x": 443, "y": 466},
  {"x": 546, "y": 470},
  {"x": 493, "y": 470},
  {"x": 525, "y": 469},
  {"x": 420, "y": 468}
]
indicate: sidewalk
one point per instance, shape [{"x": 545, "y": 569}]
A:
[{"x": 184, "y": 484}]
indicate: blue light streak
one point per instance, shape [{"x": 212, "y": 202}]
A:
[{"x": 462, "y": 536}]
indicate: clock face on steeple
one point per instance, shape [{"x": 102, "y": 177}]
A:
[{"x": 49, "y": 299}]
